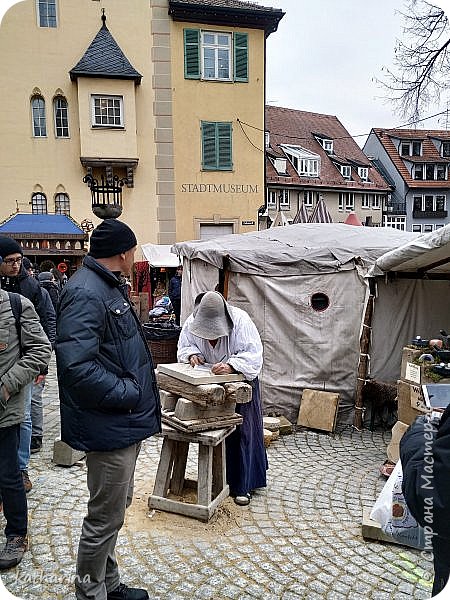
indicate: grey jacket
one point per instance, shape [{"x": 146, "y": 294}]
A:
[{"x": 17, "y": 368}]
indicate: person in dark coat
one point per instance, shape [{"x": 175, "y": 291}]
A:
[
  {"x": 175, "y": 293},
  {"x": 425, "y": 456},
  {"x": 47, "y": 281},
  {"x": 225, "y": 337},
  {"x": 15, "y": 278},
  {"x": 109, "y": 399}
]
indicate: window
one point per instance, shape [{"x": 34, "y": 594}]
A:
[
  {"x": 376, "y": 201},
  {"x": 430, "y": 172},
  {"x": 46, "y": 13},
  {"x": 395, "y": 222},
  {"x": 39, "y": 204},
  {"x": 427, "y": 228},
  {"x": 62, "y": 204},
  {"x": 417, "y": 228},
  {"x": 326, "y": 144},
  {"x": 272, "y": 198},
  {"x": 284, "y": 199},
  {"x": 429, "y": 203},
  {"x": 365, "y": 201},
  {"x": 305, "y": 162},
  {"x": 346, "y": 171},
  {"x": 61, "y": 117},
  {"x": 413, "y": 148},
  {"x": 215, "y": 55},
  {"x": 346, "y": 201},
  {"x": 445, "y": 149},
  {"x": 107, "y": 111},
  {"x": 280, "y": 165},
  {"x": 38, "y": 114},
  {"x": 216, "y": 146},
  {"x": 363, "y": 173},
  {"x": 267, "y": 139},
  {"x": 309, "y": 198}
]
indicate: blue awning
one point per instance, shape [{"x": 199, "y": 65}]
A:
[{"x": 41, "y": 224}]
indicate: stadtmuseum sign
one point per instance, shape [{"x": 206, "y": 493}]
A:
[{"x": 220, "y": 188}]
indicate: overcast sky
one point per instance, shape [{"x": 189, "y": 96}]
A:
[{"x": 326, "y": 56}]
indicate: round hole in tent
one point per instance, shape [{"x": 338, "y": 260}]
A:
[{"x": 320, "y": 301}]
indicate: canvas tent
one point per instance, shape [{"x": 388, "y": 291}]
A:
[
  {"x": 274, "y": 275},
  {"x": 413, "y": 298},
  {"x": 159, "y": 255}
]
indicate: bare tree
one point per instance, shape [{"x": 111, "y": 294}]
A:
[{"x": 421, "y": 73}]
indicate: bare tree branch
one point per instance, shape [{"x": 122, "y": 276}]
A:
[{"x": 421, "y": 72}]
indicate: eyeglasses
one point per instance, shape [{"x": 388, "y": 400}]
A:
[{"x": 12, "y": 261}]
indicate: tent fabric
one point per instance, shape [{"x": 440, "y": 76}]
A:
[
  {"x": 302, "y": 215},
  {"x": 353, "y": 219},
  {"x": 419, "y": 253},
  {"x": 320, "y": 213},
  {"x": 280, "y": 220},
  {"x": 159, "y": 255},
  {"x": 273, "y": 275}
]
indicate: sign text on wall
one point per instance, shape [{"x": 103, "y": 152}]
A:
[{"x": 220, "y": 188}]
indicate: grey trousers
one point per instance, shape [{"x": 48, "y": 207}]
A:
[
  {"x": 37, "y": 417},
  {"x": 110, "y": 480}
]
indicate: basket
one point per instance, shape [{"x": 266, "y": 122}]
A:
[{"x": 163, "y": 351}]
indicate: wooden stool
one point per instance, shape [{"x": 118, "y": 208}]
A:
[{"x": 211, "y": 482}]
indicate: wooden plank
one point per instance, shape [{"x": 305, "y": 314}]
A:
[
  {"x": 238, "y": 392},
  {"x": 180, "y": 451},
  {"x": 205, "y": 471},
  {"x": 203, "y": 394},
  {"x": 318, "y": 410},
  {"x": 186, "y": 410},
  {"x": 219, "y": 469},
  {"x": 164, "y": 468},
  {"x": 180, "y": 508},
  {"x": 371, "y": 530},
  {"x": 201, "y": 424},
  {"x": 196, "y": 376},
  {"x": 210, "y": 438}
]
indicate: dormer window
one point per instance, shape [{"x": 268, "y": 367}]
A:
[
  {"x": 266, "y": 139},
  {"x": 411, "y": 148},
  {"x": 445, "y": 149},
  {"x": 363, "y": 173},
  {"x": 280, "y": 165},
  {"x": 346, "y": 171},
  {"x": 326, "y": 144},
  {"x": 305, "y": 162}
]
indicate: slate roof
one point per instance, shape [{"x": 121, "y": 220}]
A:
[
  {"x": 41, "y": 224},
  {"x": 236, "y": 13},
  {"x": 105, "y": 59},
  {"x": 299, "y": 128},
  {"x": 430, "y": 154}
]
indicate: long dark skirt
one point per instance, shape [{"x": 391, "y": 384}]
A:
[{"x": 246, "y": 455}]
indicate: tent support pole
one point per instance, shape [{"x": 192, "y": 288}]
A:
[{"x": 364, "y": 345}]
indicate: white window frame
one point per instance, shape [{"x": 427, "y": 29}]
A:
[
  {"x": 447, "y": 144},
  {"x": 363, "y": 173},
  {"x": 417, "y": 228},
  {"x": 424, "y": 166},
  {"x": 285, "y": 202},
  {"x": 365, "y": 201},
  {"x": 272, "y": 196},
  {"x": 434, "y": 196},
  {"x": 346, "y": 202},
  {"x": 305, "y": 162},
  {"x": 410, "y": 144},
  {"x": 428, "y": 227},
  {"x": 326, "y": 143},
  {"x": 62, "y": 204},
  {"x": 396, "y": 222},
  {"x": 267, "y": 139},
  {"x": 376, "y": 201},
  {"x": 346, "y": 171},
  {"x": 42, "y": 9},
  {"x": 38, "y": 117},
  {"x": 280, "y": 165},
  {"x": 64, "y": 128},
  {"x": 217, "y": 48},
  {"x": 107, "y": 98},
  {"x": 308, "y": 198}
]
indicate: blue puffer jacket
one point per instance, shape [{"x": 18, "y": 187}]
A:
[{"x": 108, "y": 393}]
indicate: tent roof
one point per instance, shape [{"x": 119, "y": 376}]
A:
[
  {"x": 428, "y": 253},
  {"x": 296, "y": 249},
  {"x": 41, "y": 224},
  {"x": 159, "y": 255}
]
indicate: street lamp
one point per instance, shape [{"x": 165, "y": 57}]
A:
[{"x": 106, "y": 196}]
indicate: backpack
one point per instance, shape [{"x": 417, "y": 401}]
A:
[{"x": 16, "y": 307}]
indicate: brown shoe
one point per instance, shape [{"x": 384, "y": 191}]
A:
[
  {"x": 12, "y": 552},
  {"x": 26, "y": 481}
]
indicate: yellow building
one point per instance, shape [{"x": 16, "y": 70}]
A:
[{"x": 162, "y": 97}]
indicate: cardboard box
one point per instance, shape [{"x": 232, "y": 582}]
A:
[
  {"x": 415, "y": 374},
  {"x": 409, "y": 401},
  {"x": 393, "y": 449},
  {"x": 409, "y": 355}
]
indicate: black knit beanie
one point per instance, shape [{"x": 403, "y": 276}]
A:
[
  {"x": 9, "y": 246},
  {"x": 110, "y": 238}
]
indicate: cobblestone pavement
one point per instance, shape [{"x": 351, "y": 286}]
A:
[{"x": 299, "y": 538}]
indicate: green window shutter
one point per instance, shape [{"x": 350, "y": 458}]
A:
[
  {"x": 216, "y": 146},
  {"x": 240, "y": 57},
  {"x": 191, "y": 53},
  {"x": 224, "y": 156},
  {"x": 209, "y": 146}
]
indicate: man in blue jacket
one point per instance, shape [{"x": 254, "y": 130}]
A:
[{"x": 109, "y": 399}]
